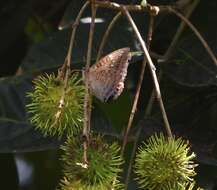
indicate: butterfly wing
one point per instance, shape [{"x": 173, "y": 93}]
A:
[{"x": 107, "y": 76}]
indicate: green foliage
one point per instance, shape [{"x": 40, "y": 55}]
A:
[
  {"x": 34, "y": 31},
  {"x": 103, "y": 167},
  {"x": 47, "y": 116},
  {"x": 164, "y": 163}
]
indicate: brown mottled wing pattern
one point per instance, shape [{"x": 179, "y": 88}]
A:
[{"x": 107, "y": 76}]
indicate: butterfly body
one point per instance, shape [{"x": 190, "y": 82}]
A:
[{"x": 106, "y": 77}]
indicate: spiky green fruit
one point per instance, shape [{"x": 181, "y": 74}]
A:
[
  {"x": 164, "y": 164},
  {"x": 189, "y": 186},
  {"x": 46, "y": 113},
  {"x": 104, "y": 163}
]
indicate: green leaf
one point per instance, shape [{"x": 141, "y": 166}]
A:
[
  {"x": 16, "y": 133},
  {"x": 191, "y": 65},
  {"x": 50, "y": 54}
]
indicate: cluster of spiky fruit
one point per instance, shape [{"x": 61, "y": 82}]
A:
[{"x": 56, "y": 109}]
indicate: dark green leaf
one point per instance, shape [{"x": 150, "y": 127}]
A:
[
  {"x": 50, "y": 54},
  {"x": 16, "y": 133},
  {"x": 190, "y": 64}
]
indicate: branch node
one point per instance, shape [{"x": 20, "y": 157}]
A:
[
  {"x": 154, "y": 10},
  {"x": 153, "y": 68}
]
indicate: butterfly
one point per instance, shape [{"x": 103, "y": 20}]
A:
[{"x": 106, "y": 77}]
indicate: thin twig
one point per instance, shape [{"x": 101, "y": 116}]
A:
[
  {"x": 151, "y": 100},
  {"x": 171, "y": 48},
  {"x": 149, "y": 38},
  {"x": 72, "y": 38},
  {"x": 108, "y": 31},
  {"x": 197, "y": 33},
  {"x": 116, "y": 6},
  {"x": 139, "y": 8},
  {"x": 87, "y": 112},
  {"x": 136, "y": 8},
  {"x": 65, "y": 71},
  {"x": 152, "y": 69},
  {"x": 180, "y": 29},
  {"x": 169, "y": 52},
  {"x": 105, "y": 36},
  {"x": 136, "y": 98}
]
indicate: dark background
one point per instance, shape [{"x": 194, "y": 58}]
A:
[{"x": 30, "y": 43}]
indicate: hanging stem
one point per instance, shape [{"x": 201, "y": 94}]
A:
[
  {"x": 65, "y": 70},
  {"x": 67, "y": 62},
  {"x": 137, "y": 8},
  {"x": 188, "y": 13},
  {"x": 152, "y": 69},
  {"x": 136, "y": 98},
  {"x": 151, "y": 100},
  {"x": 87, "y": 98},
  {"x": 197, "y": 33},
  {"x": 105, "y": 36},
  {"x": 171, "y": 48},
  {"x": 149, "y": 38}
]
